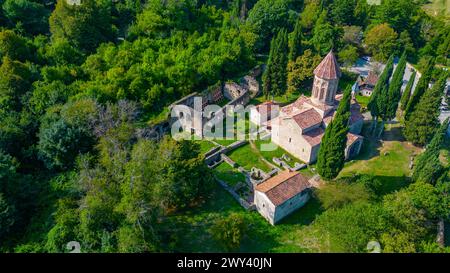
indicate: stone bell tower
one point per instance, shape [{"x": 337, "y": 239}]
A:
[{"x": 326, "y": 80}]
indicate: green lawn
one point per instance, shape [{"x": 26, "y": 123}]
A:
[
  {"x": 248, "y": 157},
  {"x": 363, "y": 101},
  {"x": 205, "y": 145},
  {"x": 388, "y": 162},
  {"x": 228, "y": 174}
]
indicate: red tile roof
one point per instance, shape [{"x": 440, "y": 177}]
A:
[
  {"x": 283, "y": 186},
  {"x": 307, "y": 118},
  {"x": 351, "y": 138},
  {"x": 328, "y": 68},
  {"x": 266, "y": 107},
  {"x": 314, "y": 137},
  {"x": 371, "y": 79}
]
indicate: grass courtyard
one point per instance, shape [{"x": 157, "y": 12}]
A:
[{"x": 388, "y": 161}]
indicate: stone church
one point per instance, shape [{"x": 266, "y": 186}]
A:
[{"x": 300, "y": 126}]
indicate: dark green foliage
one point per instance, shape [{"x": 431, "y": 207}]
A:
[
  {"x": 27, "y": 14},
  {"x": 59, "y": 144},
  {"x": 14, "y": 46},
  {"x": 421, "y": 87},
  {"x": 324, "y": 35},
  {"x": 275, "y": 75},
  {"x": 332, "y": 148},
  {"x": 407, "y": 92},
  {"x": 397, "y": 13},
  {"x": 85, "y": 26},
  {"x": 395, "y": 87},
  {"x": 295, "y": 46},
  {"x": 343, "y": 12},
  {"x": 377, "y": 102},
  {"x": 6, "y": 217},
  {"x": 428, "y": 165},
  {"x": 423, "y": 122},
  {"x": 265, "y": 18}
]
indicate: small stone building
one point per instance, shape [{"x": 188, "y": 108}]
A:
[
  {"x": 367, "y": 84},
  {"x": 232, "y": 90},
  {"x": 281, "y": 195},
  {"x": 264, "y": 112}
]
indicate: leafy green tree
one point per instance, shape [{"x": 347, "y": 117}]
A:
[
  {"x": 14, "y": 46},
  {"x": 85, "y": 26},
  {"x": 46, "y": 95},
  {"x": 265, "y": 18},
  {"x": 428, "y": 165},
  {"x": 421, "y": 126},
  {"x": 407, "y": 92},
  {"x": 395, "y": 87},
  {"x": 301, "y": 71},
  {"x": 421, "y": 87},
  {"x": 350, "y": 228},
  {"x": 343, "y": 12},
  {"x": 324, "y": 35},
  {"x": 397, "y": 241},
  {"x": 229, "y": 231},
  {"x": 62, "y": 52},
  {"x": 381, "y": 41},
  {"x": 32, "y": 15},
  {"x": 332, "y": 148},
  {"x": 399, "y": 14},
  {"x": 59, "y": 144},
  {"x": 309, "y": 15},
  {"x": 348, "y": 55},
  {"x": 15, "y": 79}
]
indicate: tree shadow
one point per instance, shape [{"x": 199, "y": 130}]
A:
[{"x": 394, "y": 132}]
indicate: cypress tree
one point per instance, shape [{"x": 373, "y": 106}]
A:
[
  {"x": 407, "y": 92},
  {"x": 275, "y": 75},
  {"x": 331, "y": 156},
  {"x": 428, "y": 166},
  {"x": 282, "y": 57},
  {"x": 380, "y": 92},
  {"x": 395, "y": 87},
  {"x": 295, "y": 48},
  {"x": 422, "y": 124},
  {"x": 267, "y": 76},
  {"x": 420, "y": 89}
]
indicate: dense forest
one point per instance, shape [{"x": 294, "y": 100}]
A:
[{"x": 78, "y": 80}]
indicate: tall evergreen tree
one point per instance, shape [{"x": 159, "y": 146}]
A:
[
  {"x": 407, "y": 92},
  {"x": 267, "y": 76},
  {"x": 422, "y": 124},
  {"x": 420, "y": 89},
  {"x": 428, "y": 166},
  {"x": 275, "y": 76},
  {"x": 376, "y": 103},
  {"x": 295, "y": 48},
  {"x": 331, "y": 156},
  {"x": 395, "y": 87}
]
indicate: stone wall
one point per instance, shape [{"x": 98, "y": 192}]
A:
[{"x": 241, "y": 200}]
